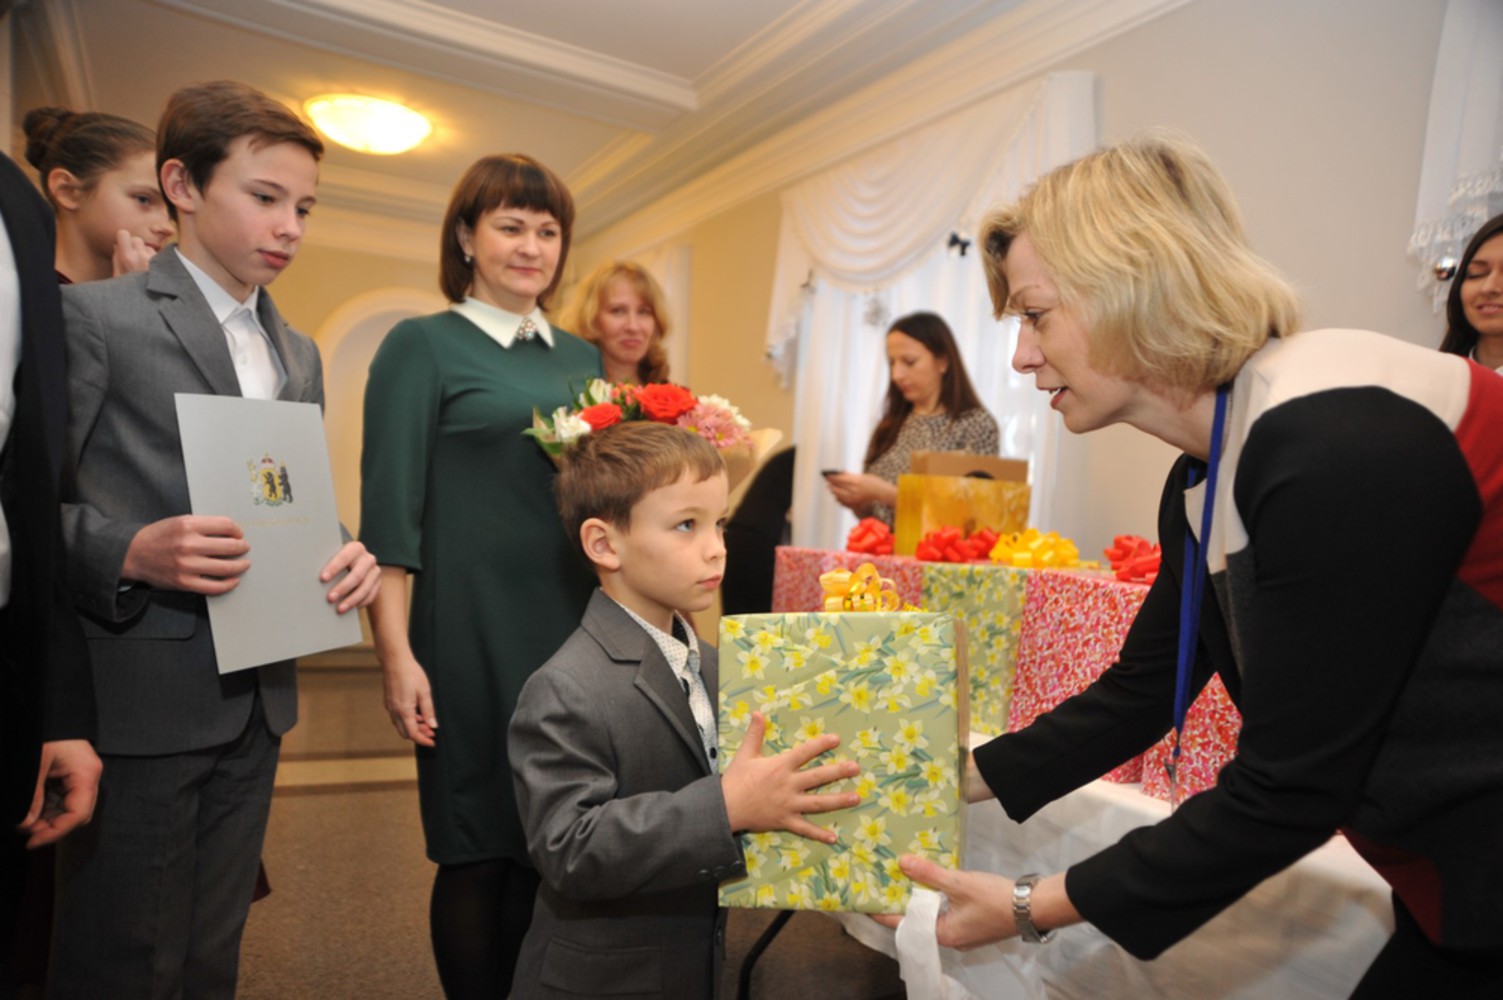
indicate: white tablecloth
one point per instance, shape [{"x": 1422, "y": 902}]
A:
[{"x": 1308, "y": 932}]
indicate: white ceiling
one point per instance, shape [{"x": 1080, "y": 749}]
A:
[{"x": 628, "y": 100}]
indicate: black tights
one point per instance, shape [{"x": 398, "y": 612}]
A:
[
  {"x": 1409, "y": 966},
  {"x": 478, "y": 916}
]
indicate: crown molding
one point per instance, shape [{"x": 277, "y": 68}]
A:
[
  {"x": 1017, "y": 45},
  {"x": 798, "y": 66},
  {"x": 50, "y": 30},
  {"x": 471, "y": 51},
  {"x": 341, "y": 228},
  {"x": 355, "y": 190}
]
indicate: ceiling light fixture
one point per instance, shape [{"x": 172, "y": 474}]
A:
[{"x": 368, "y": 124}]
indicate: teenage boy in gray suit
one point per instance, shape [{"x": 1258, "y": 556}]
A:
[
  {"x": 152, "y": 902},
  {"x": 613, "y": 741}
]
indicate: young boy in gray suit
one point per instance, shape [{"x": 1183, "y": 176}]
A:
[
  {"x": 613, "y": 741},
  {"x": 153, "y": 895}
]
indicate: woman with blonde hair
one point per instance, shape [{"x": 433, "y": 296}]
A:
[
  {"x": 621, "y": 310},
  {"x": 1369, "y": 694}
]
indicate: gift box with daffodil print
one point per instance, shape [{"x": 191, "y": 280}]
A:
[
  {"x": 989, "y": 599},
  {"x": 892, "y": 686}
]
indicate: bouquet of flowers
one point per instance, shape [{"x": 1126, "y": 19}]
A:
[{"x": 604, "y": 404}]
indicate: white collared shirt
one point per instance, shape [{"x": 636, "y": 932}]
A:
[
  {"x": 500, "y": 325},
  {"x": 10, "y": 360},
  {"x": 683, "y": 658},
  {"x": 1499, "y": 369},
  {"x": 257, "y": 367}
]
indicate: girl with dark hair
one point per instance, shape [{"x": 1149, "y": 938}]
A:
[
  {"x": 98, "y": 171},
  {"x": 457, "y": 501},
  {"x": 1474, "y": 309},
  {"x": 931, "y": 406}
]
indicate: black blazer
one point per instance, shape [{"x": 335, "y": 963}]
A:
[{"x": 44, "y": 666}]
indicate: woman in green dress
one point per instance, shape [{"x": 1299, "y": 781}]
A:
[{"x": 457, "y": 501}]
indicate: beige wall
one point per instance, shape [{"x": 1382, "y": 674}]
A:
[
  {"x": 1316, "y": 111},
  {"x": 732, "y": 268},
  {"x": 323, "y": 279}
]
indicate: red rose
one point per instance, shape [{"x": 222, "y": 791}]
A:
[
  {"x": 601, "y": 415},
  {"x": 664, "y": 402}
]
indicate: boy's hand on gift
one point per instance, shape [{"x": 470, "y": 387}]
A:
[
  {"x": 773, "y": 793},
  {"x": 360, "y": 585},
  {"x": 980, "y": 904},
  {"x": 203, "y": 555}
]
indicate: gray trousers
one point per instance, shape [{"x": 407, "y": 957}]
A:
[{"x": 153, "y": 894}]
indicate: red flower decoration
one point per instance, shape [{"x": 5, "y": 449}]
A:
[
  {"x": 601, "y": 415},
  {"x": 663, "y": 402}
]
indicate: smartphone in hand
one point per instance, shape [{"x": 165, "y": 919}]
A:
[{"x": 830, "y": 472}]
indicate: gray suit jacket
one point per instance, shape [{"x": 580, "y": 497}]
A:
[
  {"x": 624, "y": 817},
  {"x": 132, "y": 343}
]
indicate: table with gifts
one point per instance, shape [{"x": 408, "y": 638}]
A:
[{"x": 1033, "y": 638}]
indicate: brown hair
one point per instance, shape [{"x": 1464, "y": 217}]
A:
[
  {"x": 590, "y": 297},
  {"x": 202, "y": 119},
  {"x": 509, "y": 179},
  {"x": 86, "y": 144},
  {"x": 608, "y": 472},
  {"x": 956, "y": 394},
  {"x": 1461, "y": 336},
  {"x": 1145, "y": 243}
]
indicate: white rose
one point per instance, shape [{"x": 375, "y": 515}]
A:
[
  {"x": 598, "y": 391},
  {"x": 569, "y": 427}
]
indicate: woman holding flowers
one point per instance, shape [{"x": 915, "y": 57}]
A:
[
  {"x": 456, "y": 500},
  {"x": 1369, "y": 688}
]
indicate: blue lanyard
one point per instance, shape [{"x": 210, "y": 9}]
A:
[{"x": 1192, "y": 591}]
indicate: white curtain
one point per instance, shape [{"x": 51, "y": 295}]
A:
[
  {"x": 866, "y": 242},
  {"x": 669, "y": 263},
  {"x": 1461, "y": 180}
]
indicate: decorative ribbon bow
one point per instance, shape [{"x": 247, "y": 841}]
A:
[
  {"x": 862, "y": 590},
  {"x": 1034, "y": 549},
  {"x": 1134, "y": 559},
  {"x": 871, "y": 537}
]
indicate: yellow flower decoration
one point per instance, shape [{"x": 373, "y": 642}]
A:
[
  {"x": 873, "y": 831},
  {"x": 858, "y": 696},
  {"x": 897, "y": 760},
  {"x": 809, "y": 729},
  {"x": 910, "y": 734},
  {"x": 752, "y": 663},
  {"x": 897, "y": 801}
]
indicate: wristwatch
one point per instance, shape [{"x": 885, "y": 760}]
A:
[{"x": 1022, "y": 910}]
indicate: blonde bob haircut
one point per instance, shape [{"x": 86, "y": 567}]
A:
[
  {"x": 589, "y": 298},
  {"x": 1145, "y": 243}
]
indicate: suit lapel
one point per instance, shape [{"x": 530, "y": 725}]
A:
[
  {"x": 293, "y": 386},
  {"x": 187, "y": 314},
  {"x": 624, "y": 642}
]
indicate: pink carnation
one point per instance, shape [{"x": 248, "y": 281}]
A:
[{"x": 716, "y": 425}]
